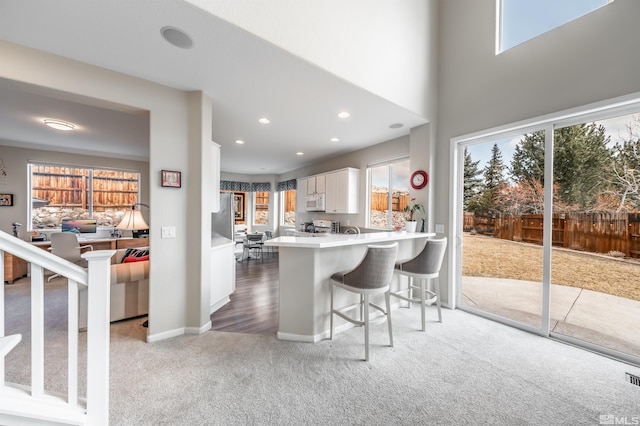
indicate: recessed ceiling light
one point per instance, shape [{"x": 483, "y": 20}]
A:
[
  {"x": 299, "y": 153},
  {"x": 395, "y": 125},
  {"x": 176, "y": 37},
  {"x": 264, "y": 120},
  {"x": 240, "y": 142},
  {"x": 344, "y": 114},
  {"x": 334, "y": 140},
  {"x": 59, "y": 124}
]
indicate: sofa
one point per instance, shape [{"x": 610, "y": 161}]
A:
[{"x": 129, "y": 286}]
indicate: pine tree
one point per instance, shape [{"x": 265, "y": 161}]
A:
[
  {"x": 472, "y": 183},
  {"x": 494, "y": 180},
  {"x": 581, "y": 164},
  {"x": 527, "y": 164}
]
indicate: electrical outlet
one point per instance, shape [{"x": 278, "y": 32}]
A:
[
  {"x": 439, "y": 229},
  {"x": 168, "y": 232}
]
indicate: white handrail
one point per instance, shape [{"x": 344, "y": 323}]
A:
[{"x": 15, "y": 403}]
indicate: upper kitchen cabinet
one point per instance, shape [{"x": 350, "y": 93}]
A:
[
  {"x": 316, "y": 185},
  {"x": 342, "y": 191},
  {"x": 301, "y": 198}
]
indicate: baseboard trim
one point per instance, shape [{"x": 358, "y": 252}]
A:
[
  {"x": 165, "y": 335},
  {"x": 198, "y": 330}
]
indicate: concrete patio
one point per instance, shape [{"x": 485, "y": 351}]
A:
[{"x": 598, "y": 318}]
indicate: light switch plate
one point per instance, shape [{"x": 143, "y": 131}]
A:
[
  {"x": 168, "y": 232},
  {"x": 439, "y": 229}
]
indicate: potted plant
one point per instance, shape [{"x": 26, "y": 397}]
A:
[{"x": 412, "y": 209}]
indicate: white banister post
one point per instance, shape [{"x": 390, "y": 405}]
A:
[{"x": 98, "y": 314}]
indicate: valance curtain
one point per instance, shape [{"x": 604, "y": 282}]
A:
[
  {"x": 261, "y": 187},
  {"x": 288, "y": 185},
  {"x": 229, "y": 185}
]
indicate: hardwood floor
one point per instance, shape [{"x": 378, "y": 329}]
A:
[{"x": 253, "y": 308}]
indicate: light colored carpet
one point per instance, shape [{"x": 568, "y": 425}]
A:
[{"x": 467, "y": 370}]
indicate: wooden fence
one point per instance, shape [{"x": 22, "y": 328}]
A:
[
  {"x": 69, "y": 187},
  {"x": 380, "y": 201},
  {"x": 592, "y": 232}
]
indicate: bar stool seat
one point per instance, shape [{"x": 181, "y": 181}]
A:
[
  {"x": 423, "y": 267},
  {"x": 371, "y": 276}
]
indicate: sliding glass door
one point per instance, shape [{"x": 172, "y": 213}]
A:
[
  {"x": 503, "y": 214},
  {"x": 595, "y": 258},
  {"x": 550, "y": 228}
]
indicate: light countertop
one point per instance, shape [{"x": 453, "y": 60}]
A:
[{"x": 338, "y": 240}]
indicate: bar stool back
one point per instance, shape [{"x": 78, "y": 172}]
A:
[
  {"x": 425, "y": 266},
  {"x": 371, "y": 276}
]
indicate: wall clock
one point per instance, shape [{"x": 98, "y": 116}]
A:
[{"x": 419, "y": 179}]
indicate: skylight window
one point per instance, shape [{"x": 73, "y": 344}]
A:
[{"x": 522, "y": 20}]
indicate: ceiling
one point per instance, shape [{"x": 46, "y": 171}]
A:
[{"x": 247, "y": 78}]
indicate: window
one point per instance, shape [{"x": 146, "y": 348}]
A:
[
  {"x": 261, "y": 208},
  {"x": 288, "y": 207},
  {"x": 69, "y": 192},
  {"x": 522, "y": 20},
  {"x": 556, "y": 202},
  {"x": 386, "y": 211}
]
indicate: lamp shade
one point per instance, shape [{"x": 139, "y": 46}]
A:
[{"x": 132, "y": 221}]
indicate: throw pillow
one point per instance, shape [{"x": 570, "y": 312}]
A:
[
  {"x": 134, "y": 252},
  {"x": 135, "y": 259}
]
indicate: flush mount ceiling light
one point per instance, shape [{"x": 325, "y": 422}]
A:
[
  {"x": 264, "y": 120},
  {"x": 344, "y": 114},
  {"x": 299, "y": 153},
  {"x": 334, "y": 140},
  {"x": 240, "y": 142},
  {"x": 176, "y": 37},
  {"x": 59, "y": 124},
  {"x": 395, "y": 125}
]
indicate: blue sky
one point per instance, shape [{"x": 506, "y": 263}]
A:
[
  {"x": 525, "y": 19},
  {"x": 615, "y": 129}
]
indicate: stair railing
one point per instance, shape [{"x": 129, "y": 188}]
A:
[{"x": 22, "y": 401}]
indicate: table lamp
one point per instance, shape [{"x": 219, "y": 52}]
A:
[{"x": 133, "y": 221}]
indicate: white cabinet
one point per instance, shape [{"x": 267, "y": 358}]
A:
[
  {"x": 342, "y": 191},
  {"x": 223, "y": 275},
  {"x": 301, "y": 196},
  {"x": 316, "y": 185}
]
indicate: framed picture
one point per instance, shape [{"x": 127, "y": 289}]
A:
[
  {"x": 238, "y": 205},
  {"x": 6, "y": 200},
  {"x": 171, "y": 178}
]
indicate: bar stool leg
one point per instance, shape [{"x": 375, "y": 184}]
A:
[
  {"x": 366, "y": 327},
  {"x": 422, "y": 304},
  {"x": 387, "y": 298},
  {"x": 436, "y": 283},
  {"x": 331, "y": 311}
]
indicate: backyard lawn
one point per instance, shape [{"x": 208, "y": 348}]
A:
[{"x": 485, "y": 256}]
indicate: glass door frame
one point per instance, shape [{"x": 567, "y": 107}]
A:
[{"x": 629, "y": 104}]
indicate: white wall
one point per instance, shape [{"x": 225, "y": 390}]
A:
[
  {"x": 383, "y": 46},
  {"x": 170, "y": 134},
  {"x": 590, "y": 59}
]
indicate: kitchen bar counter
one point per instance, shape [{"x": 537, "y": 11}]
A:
[{"x": 305, "y": 267}]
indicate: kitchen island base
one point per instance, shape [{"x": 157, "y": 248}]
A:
[{"x": 305, "y": 267}]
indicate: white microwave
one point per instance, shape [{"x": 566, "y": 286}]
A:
[{"x": 315, "y": 203}]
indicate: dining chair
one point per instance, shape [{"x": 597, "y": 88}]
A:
[
  {"x": 423, "y": 267},
  {"x": 370, "y": 277},
  {"x": 252, "y": 242},
  {"x": 67, "y": 246},
  {"x": 267, "y": 236}
]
